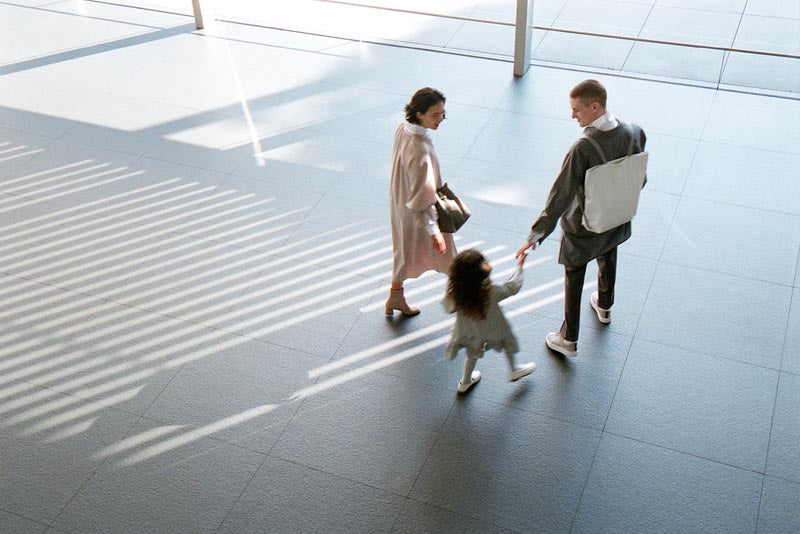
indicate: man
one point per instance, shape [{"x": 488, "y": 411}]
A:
[{"x": 579, "y": 246}]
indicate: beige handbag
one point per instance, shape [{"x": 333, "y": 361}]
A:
[{"x": 611, "y": 190}]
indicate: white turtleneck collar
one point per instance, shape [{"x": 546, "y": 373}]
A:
[{"x": 416, "y": 129}]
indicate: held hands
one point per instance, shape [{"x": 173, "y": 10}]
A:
[
  {"x": 439, "y": 246},
  {"x": 521, "y": 252}
]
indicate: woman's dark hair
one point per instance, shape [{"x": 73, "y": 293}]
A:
[
  {"x": 468, "y": 284},
  {"x": 421, "y": 102}
]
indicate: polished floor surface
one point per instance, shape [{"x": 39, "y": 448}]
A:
[{"x": 194, "y": 257}]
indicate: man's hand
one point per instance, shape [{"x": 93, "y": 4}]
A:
[
  {"x": 523, "y": 248},
  {"x": 437, "y": 240}
]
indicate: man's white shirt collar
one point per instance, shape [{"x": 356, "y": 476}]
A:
[{"x": 604, "y": 122}]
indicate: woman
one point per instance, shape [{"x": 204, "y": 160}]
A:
[{"x": 417, "y": 243}]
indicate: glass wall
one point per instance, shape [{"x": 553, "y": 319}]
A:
[{"x": 486, "y": 28}]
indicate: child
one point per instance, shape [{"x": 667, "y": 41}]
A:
[{"x": 480, "y": 324}]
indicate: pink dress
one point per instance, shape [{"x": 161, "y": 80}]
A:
[{"x": 412, "y": 199}]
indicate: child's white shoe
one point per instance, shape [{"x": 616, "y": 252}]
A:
[
  {"x": 522, "y": 371},
  {"x": 463, "y": 388}
]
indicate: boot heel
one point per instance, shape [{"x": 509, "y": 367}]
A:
[{"x": 397, "y": 301}]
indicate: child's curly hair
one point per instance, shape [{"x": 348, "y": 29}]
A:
[{"x": 468, "y": 284}]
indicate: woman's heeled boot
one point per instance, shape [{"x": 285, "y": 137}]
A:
[{"x": 397, "y": 301}]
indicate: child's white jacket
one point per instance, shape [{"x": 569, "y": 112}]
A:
[{"x": 494, "y": 332}]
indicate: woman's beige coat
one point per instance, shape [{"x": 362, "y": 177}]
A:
[{"x": 412, "y": 200}]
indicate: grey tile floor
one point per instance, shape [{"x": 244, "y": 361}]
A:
[{"x": 195, "y": 251}]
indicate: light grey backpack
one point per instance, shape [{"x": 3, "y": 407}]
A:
[{"x": 611, "y": 190}]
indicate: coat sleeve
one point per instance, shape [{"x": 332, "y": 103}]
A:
[
  {"x": 422, "y": 189},
  {"x": 511, "y": 286},
  {"x": 448, "y": 304},
  {"x": 562, "y": 193},
  {"x": 642, "y": 141}
]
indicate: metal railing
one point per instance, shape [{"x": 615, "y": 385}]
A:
[{"x": 564, "y": 30}]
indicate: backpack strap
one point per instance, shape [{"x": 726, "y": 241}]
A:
[
  {"x": 596, "y": 146},
  {"x": 599, "y": 150},
  {"x": 633, "y": 136}
]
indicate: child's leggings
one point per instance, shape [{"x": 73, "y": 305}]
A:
[{"x": 471, "y": 360}]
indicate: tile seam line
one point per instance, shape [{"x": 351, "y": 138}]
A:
[
  {"x": 783, "y": 479},
  {"x": 461, "y": 25},
  {"x": 24, "y": 517},
  {"x": 303, "y": 401},
  {"x": 241, "y": 493},
  {"x": 432, "y": 448},
  {"x": 638, "y": 34},
  {"x": 467, "y": 152},
  {"x": 181, "y": 319},
  {"x": 480, "y": 519},
  {"x": 329, "y": 473},
  {"x": 791, "y": 300},
  {"x": 575, "y": 68},
  {"x": 727, "y": 55},
  {"x": 88, "y": 479},
  {"x": 732, "y": 204},
  {"x": 683, "y": 187},
  {"x": 42, "y": 7},
  {"x": 533, "y": 411},
  {"x": 608, "y": 413},
  {"x": 711, "y": 354},
  {"x": 777, "y": 389},
  {"x": 420, "y": 46},
  {"x": 268, "y": 454},
  {"x": 143, "y": 415},
  {"x": 769, "y": 442},
  {"x": 178, "y": 318},
  {"x": 740, "y": 277},
  {"x": 586, "y": 481},
  {"x": 455, "y": 401},
  {"x": 136, "y": 7},
  {"x": 477, "y": 517},
  {"x": 692, "y": 455},
  {"x": 618, "y": 73},
  {"x": 700, "y": 141},
  {"x": 619, "y": 380}
]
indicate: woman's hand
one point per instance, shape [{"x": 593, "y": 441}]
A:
[{"x": 439, "y": 246}]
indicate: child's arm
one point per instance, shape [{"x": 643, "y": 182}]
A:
[{"x": 514, "y": 282}]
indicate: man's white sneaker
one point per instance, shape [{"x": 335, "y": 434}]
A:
[
  {"x": 521, "y": 371},
  {"x": 559, "y": 344},
  {"x": 463, "y": 388},
  {"x": 603, "y": 315}
]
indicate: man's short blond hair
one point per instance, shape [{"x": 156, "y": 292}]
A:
[{"x": 589, "y": 91}]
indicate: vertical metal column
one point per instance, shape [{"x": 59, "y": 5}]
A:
[
  {"x": 522, "y": 37},
  {"x": 198, "y": 14}
]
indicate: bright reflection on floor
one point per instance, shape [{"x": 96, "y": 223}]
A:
[
  {"x": 129, "y": 286},
  {"x": 116, "y": 277}
]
